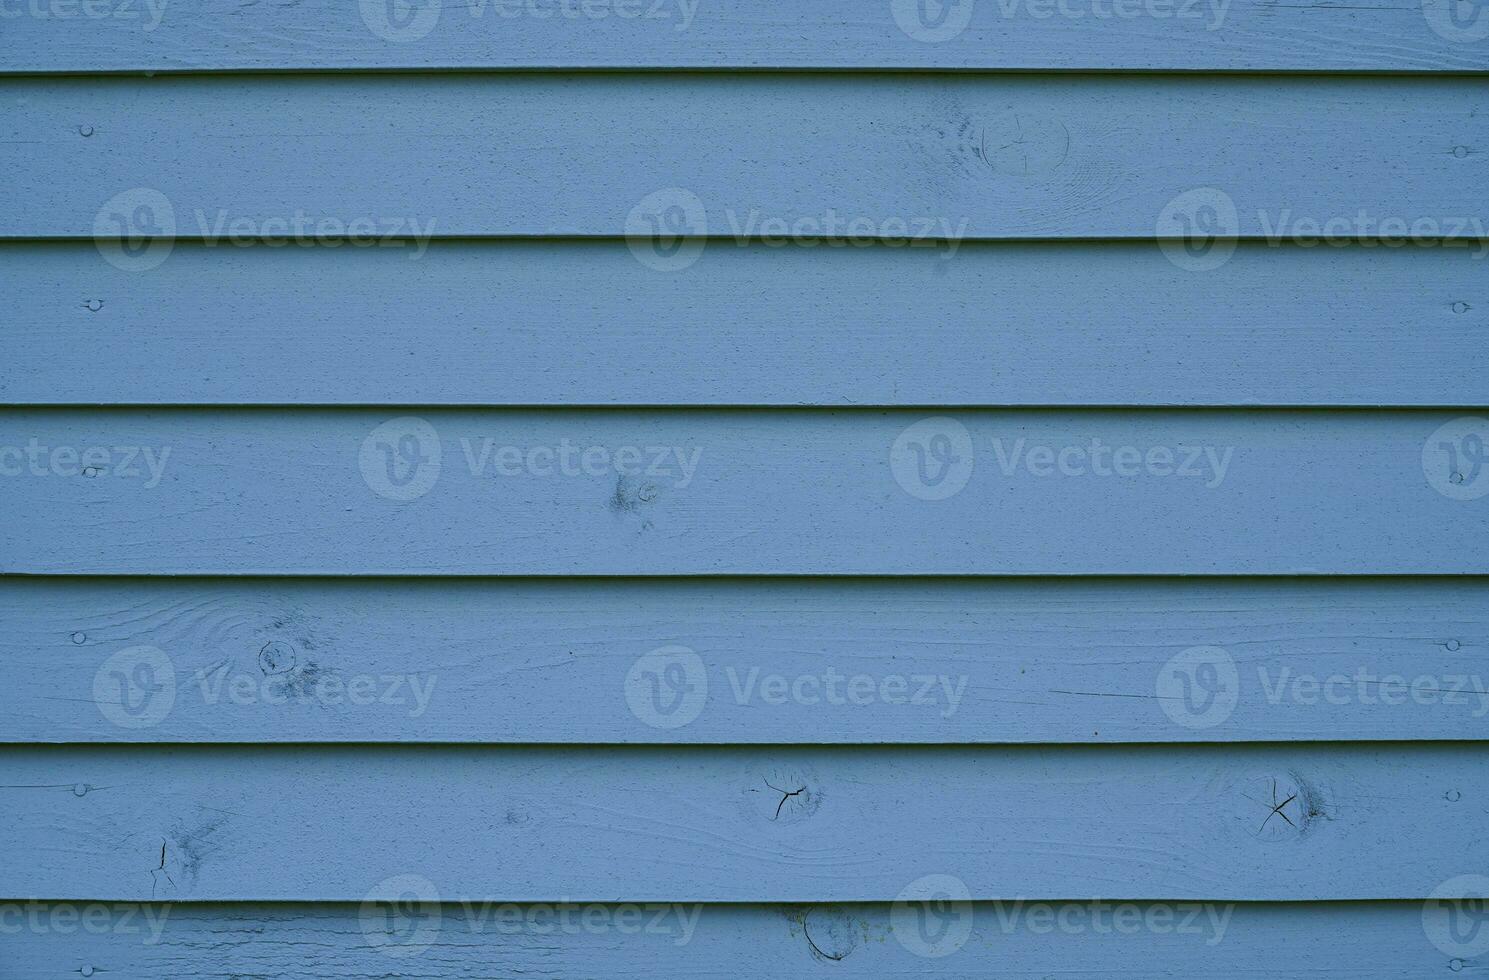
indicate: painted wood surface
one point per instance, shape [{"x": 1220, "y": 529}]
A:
[
  {"x": 1326, "y": 941},
  {"x": 554, "y": 323},
  {"x": 567, "y": 523},
  {"x": 649, "y": 492},
  {"x": 976, "y": 156},
  {"x": 725, "y": 824},
  {"x": 149, "y": 35},
  {"x": 797, "y": 661}
]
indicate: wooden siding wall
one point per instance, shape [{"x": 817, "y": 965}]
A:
[{"x": 463, "y": 520}]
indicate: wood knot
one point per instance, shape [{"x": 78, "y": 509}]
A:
[
  {"x": 1278, "y": 808},
  {"x": 1022, "y": 144},
  {"x": 277, "y": 657},
  {"x": 830, "y": 933},
  {"x": 780, "y": 795}
]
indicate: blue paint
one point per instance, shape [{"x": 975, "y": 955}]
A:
[
  {"x": 1236, "y": 35},
  {"x": 755, "y": 501},
  {"x": 914, "y": 155}
]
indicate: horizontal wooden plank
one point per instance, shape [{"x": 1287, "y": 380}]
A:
[
  {"x": 819, "y": 157},
  {"x": 769, "y": 661},
  {"x": 770, "y": 824},
  {"x": 533, "y": 323},
  {"x": 646, "y": 492},
  {"x": 1216, "y": 34},
  {"x": 1324, "y": 941}
]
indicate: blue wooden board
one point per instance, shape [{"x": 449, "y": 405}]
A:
[
  {"x": 1290, "y": 823},
  {"x": 337, "y": 34},
  {"x": 555, "y": 323},
  {"x": 661, "y": 492},
  {"x": 798, "y": 661},
  {"x": 923, "y": 157},
  {"x": 1020, "y": 940},
  {"x": 506, "y": 458}
]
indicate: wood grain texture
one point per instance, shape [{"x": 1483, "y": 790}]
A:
[
  {"x": 977, "y": 661},
  {"x": 778, "y": 824},
  {"x": 1240, "y": 35},
  {"x": 544, "y": 323},
  {"x": 980, "y": 156},
  {"x": 1324, "y": 941},
  {"x": 647, "y": 492}
]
